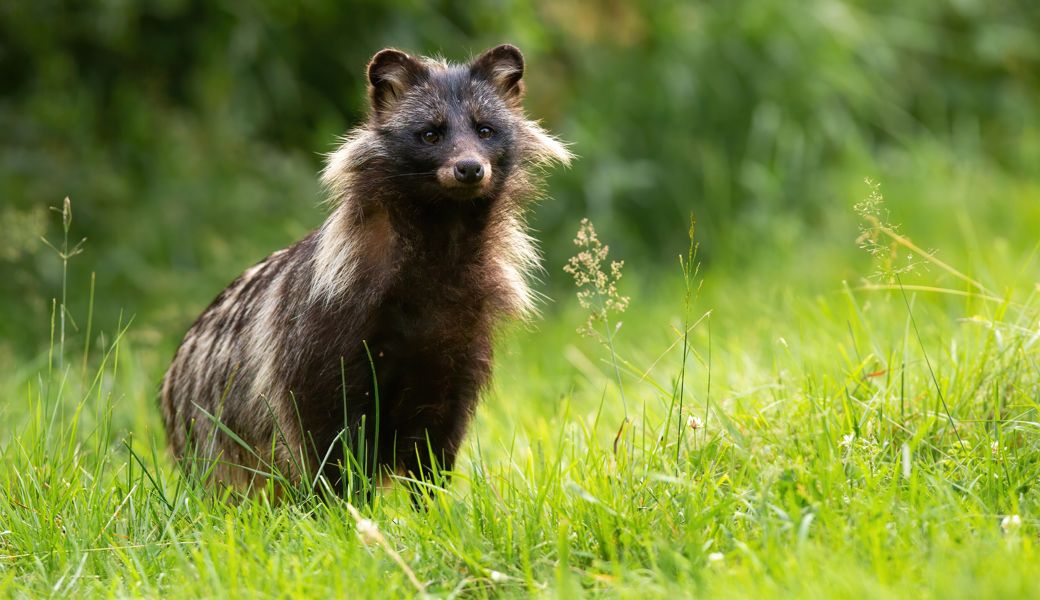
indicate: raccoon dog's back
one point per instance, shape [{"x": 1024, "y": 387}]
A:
[{"x": 425, "y": 251}]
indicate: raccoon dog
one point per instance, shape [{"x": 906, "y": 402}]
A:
[{"x": 425, "y": 251}]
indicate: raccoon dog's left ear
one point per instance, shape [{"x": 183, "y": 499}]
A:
[
  {"x": 390, "y": 74},
  {"x": 503, "y": 66}
]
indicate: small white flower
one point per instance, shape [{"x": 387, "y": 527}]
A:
[
  {"x": 1011, "y": 523},
  {"x": 847, "y": 440},
  {"x": 694, "y": 422},
  {"x": 366, "y": 526},
  {"x": 715, "y": 557},
  {"x": 994, "y": 447},
  {"x": 498, "y": 577}
]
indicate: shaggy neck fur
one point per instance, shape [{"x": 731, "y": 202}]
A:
[{"x": 370, "y": 228}]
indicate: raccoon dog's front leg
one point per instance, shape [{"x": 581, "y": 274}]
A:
[{"x": 427, "y": 448}]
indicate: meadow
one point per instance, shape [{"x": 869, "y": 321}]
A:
[
  {"x": 808, "y": 436},
  {"x": 823, "y": 394}
]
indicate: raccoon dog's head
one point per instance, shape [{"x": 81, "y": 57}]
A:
[{"x": 442, "y": 131}]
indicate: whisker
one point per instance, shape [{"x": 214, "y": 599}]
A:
[
  {"x": 396, "y": 175},
  {"x": 380, "y": 178}
]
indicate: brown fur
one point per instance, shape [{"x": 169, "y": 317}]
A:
[{"x": 412, "y": 263}]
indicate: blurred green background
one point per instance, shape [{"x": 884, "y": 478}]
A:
[{"x": 188, "y": 134}]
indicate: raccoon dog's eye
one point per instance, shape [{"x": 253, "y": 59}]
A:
[
  {"x": 484, "y": 132},
  {"x": 430, "y": 137}
]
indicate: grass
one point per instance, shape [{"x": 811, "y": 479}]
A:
[{"x": 856, "y": 442}]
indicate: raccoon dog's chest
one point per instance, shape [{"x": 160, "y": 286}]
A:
[{"x": 431, "y": 324}]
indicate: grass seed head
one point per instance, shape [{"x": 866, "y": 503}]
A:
[
  {"x": 598, "y": 291},
  {"x": 879, "y": 237}
]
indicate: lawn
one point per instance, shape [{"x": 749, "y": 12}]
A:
[{"x": 832, "y": 425}]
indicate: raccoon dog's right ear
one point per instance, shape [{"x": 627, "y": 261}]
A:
[{"x": 390, "y": 74}]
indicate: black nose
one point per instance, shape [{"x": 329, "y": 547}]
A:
[{"x": 469, "y": 170}]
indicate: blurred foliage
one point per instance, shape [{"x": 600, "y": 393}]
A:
[{"x": 189, "y": 133}]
